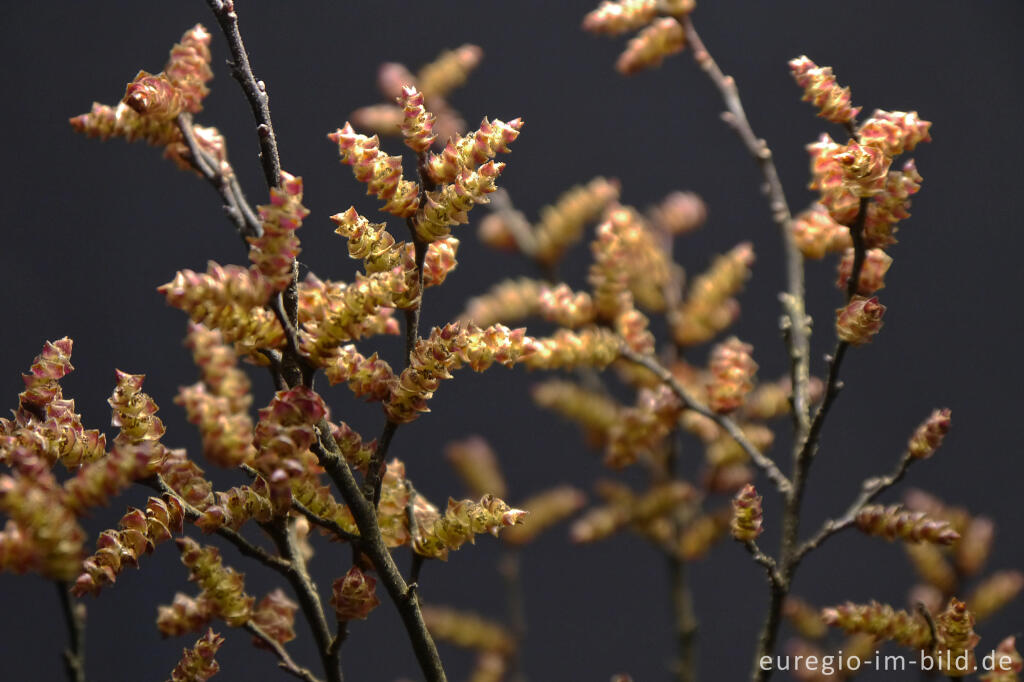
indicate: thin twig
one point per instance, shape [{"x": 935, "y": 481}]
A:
[
  {"x": 235, "y": 205},
  {"x": 244, "y": 546},
  {"x": 870, "y": 489},
  {"x": 797, "y": 326},
  {"x": 325, "y": 523},
  {"x": 255, "y": 90},
  {"x": 364, "y": 513},
  {"x": 309, "y": 599},
  {"x": 728, "y": 425},
  {"x": 776, "y": 579},
  {"x": 685, "y": 620},
  {"x": 286, "y": 662},
  {"x": 74, "y": 618},
  {"x": 509, "y": 566}
]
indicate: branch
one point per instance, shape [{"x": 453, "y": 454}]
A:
[
  {"x": 729, "y": 426},
  {"x": 286, "y": 664},
  {"x": 255, "y": 90},
  {"x": 777, "y": 580},
  {"x": 244, "y": 546},
  {"x": 365, "y": 515},
  {"x": 236, "y": 207},
  {"x": 327, "y": 524},
  {"x": 306, "y": 592},
  {"x": 870, "y": 489},
  {"x": 797, "y": 324},
  {"x": 74, "y": 618}
]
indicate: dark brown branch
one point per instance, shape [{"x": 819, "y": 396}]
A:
[
  {"x": 777, "y": 580},
  {"x": 286, "y": 663},
  {"x": 870, "y": 489},
  {"x": 365, "y": 515},
  {"x": 255, "y": 90},
  {"x": 236, "y": 207},
  {"x": 305, "y": 591},
  {"x": 797, "y": 326},
  {"x": 685, "y": 620},
  {"x": 729, "y": 426},
  {"x": 74, "y": 618}
]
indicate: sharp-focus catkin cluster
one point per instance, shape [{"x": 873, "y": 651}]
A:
[
  {"x": 896, "y": 522},
  {"x": 460, "y": 523},
  {"x": 732, "y": 375},
  {"x": 709, "y": 306},
  {"x": 198, "y": 664},
  {"x": 229, "y": 299},
  {"x": 658, "y": 38},
  {"x": 821, "y": 89},
  {"x": 465, "y": 174},
  {"x": 232, "y": 508},
  {"x": 381, "y": 173},
  {"x": 45, "y": 424},
  {"x": 747, "y": 520},
  {"x": 151, "y": 103},
  {"x": 449, "y": 348},
  {"x": 139, "y": 531},
  {"x": 369, "y": 377},
  {"x": 354, "y": 595},
  {"x": 134, "y": 411},
  {"x": 222, "y": 587},
  {"x": 283, "y": 436},
  {"x": 274, "y": 252},
  {"x": 368, "y": 242}
]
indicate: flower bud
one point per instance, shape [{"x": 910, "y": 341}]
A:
[
  {"x": 860, "y": 320},
  {"x": 746, "y": 522},
  {"x": 354, "y": 596},
  {"x": 930, "y": 434}
]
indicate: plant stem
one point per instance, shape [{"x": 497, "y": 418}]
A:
[
  {"x": 74, "y": 618},
  {"x": 286, "y": 662},
  {"x": 282, "y": 534},
  {"x": 372, "y": 545},
  {"x": 685, "y": 621}
]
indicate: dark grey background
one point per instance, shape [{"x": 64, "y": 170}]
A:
[{"x": 90, "y": 230}]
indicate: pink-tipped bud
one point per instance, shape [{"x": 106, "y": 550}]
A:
[
  {"x": 929, "y": 435},
  {"x": 746, "y": 522},
  {"x": 860, "y": 320}
]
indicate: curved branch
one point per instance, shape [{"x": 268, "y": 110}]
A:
[{"x": 286, "y": 664}]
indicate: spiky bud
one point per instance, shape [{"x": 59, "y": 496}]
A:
[
  {"x": 439, "y": 261},
  {"x": 417, "y": 122},
  {"x": 929, "y": 435},
  {"x": 872, "y": 273},
  {"x": 955, "y": 629},
  {"x": 860, "y": 320},
  {"x": 732, "y": 372},
  {"x": 649, "y": 48},
  {"x": 222, "y": 586},
  {"x": 381, "y": 173},
  {"x": 894, "y": 131},
  {"x": 197, "y": 664},
  {"x": 910, "y": 526},
  {"x": 746, "y": 522},
  {"x": 461, "y": 522},
  {"x": 822, "y": 90},
  {"x": 274, "y": 251},
  {"x": 880, "y": 621},
  {"x": 354, "y": 595}
]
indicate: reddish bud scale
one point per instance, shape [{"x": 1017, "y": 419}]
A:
[
  {"x": 872, "y": 273},
  {"x": 354, "y": 596},
  {"x": 154, "y": 96},
  {"x": 614, "y": 18},
  {"x": 469, "y": 152},
  {"x": 860, "y": 320},
  {"x": 864, "y": 168},
  {"x": 822, "y": 90},
  {"x": 139, "y": 532},
  {"x": 461, "y": 522},
  {"x": 561, "y": 224},
  {"x": 189, "y": 67},
  {"x": 275, "y": 616},
  {"x": 451, "y": 205},
  {"x": 449, "y": 348},
  {"x": 226, "y": 434},
  {"x": 880, "y": 621},
  {"x": 911, "y": 526},
  {"x": 746, "y": 522},
  {"x": 732, "y": 372},
  {"x": 930, "y": 434},
  {"x": 371, "y": 377},
  {"x": 273, "y": 253},
  {"x": 230, "y": 299},
  {"x": 894, "y": 132},
  {"x": 197, "y": 664},
  {"x": 381, "y": 173},
  {"x": 649, "y": 48},
  {"x": 233, "y": 508},
  {"x": 890, "y": 206},
  {"x": 218, "y": 367},
  {"x": 134, "y": 411},
  {"x": 439, "y": 261},
  {"x": 417, "y": 122},
  {"x": 223, "y": 587},
  {"x": 282, "y": 438},
  {"x": 955, "y": 630},
  {"x": 369, "y": 242}
]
